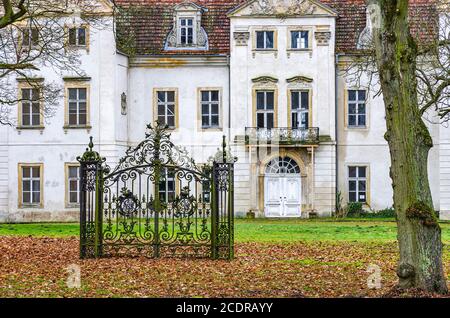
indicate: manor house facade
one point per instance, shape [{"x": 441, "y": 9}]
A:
[{"x": 267, "y": 74}]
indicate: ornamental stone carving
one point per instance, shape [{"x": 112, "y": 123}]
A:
[
  {"x": 241, "y": 38},
  {"x": 323, "y": 38},
  {"x": 282, "y": 7},
  {"x": 265, "y": 80},
  {"x": 299, "y": 82}
]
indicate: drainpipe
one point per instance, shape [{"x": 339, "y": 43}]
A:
[
  {"x": 336, "y": 94},
  {"x": 229, "y": 99}
]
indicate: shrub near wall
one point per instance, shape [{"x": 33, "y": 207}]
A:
[{"x": 356, "y": 210}]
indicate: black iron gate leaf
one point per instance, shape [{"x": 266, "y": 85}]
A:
[{"x": 156, "y": 202}]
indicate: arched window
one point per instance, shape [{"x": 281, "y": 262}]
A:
[{"x": 282, "y": 165}]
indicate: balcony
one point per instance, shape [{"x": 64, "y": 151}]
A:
[{"x": 282, "y": 136}]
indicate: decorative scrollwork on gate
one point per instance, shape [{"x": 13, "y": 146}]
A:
[
  {"x": 128, "y": 203},
  {"x": 155, "y": 202}
]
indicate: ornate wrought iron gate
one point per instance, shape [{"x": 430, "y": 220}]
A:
[{"x": 156, "y": 202}]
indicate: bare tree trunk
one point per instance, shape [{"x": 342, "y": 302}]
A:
[{"x": 419, "y": 234}]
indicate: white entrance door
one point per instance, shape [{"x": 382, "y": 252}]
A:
[
  {"x": 282, "y": 196},
  {"x": 292, "y": 198}
]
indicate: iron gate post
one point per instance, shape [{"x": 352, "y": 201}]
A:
[
  {"x": 231, "y": 210},
  {"x": 99, "y": 212},
  {"x": 157, "y": 202},
  {"x": 82, "y": 199},
  {"x": 90, "y": 208},
  {"x": 214, "y": 212},
  {"x": 157, "y": 207},
  {"x": 222, "y": 227}
]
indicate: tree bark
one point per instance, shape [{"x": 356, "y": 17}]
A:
[{"x": 419, "y": 234}]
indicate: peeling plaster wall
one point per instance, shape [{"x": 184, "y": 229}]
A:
[
  {"x": 368, "y": 147},
  {"x": 187, "y": 80},
  {"x": 54, "y": 146},
  {"x": 317, "y": 64}
]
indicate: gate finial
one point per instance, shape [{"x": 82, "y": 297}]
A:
[
  {"x": 90, "y": 154},
  {"x": 91, "y": 143},
  {"x": 224, "y": 149}
]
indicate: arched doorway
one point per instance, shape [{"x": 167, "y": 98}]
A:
[{"x": 282, "y": 188}]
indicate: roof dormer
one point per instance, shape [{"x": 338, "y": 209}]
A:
[
  {"x": 187, "y": 32},
  {"x": 373, "y": 18}
]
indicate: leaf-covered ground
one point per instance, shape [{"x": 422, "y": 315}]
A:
[{"x": 37, "y": 267}]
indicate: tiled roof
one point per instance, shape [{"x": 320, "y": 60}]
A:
[
  {"x": 151, "y": 21},
  {"x": 143, "y": 25}
]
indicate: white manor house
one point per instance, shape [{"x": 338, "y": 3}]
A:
[{"x": 264, "y": 73}]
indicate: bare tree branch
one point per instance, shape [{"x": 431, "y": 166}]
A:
[
  {"x": 433, "y": 65},
  {"x": 33, "y": 39}
]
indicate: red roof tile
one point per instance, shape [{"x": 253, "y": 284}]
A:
[{"x": 144, "y": 25}]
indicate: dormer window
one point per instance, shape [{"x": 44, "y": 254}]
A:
[{"x": 187, "y": 32}]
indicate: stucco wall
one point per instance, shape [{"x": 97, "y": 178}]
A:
[
  {"x": 112, "y": 74},
  {"x": 54, "y": 146},
  {"x": 367, "y": 146},
  {"x": 187, "y": 80},
  {"x": 247, "y": 64}
]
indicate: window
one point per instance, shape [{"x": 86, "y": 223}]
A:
[
  {"x": 30, "y": 185},
  {"x": 77, "y": 106},
  {"x": 186, "y": 31},
  {"x": 299, "y": 39},
  {"x": 210, "y": 108},
  {"x": 300, "y": 109},
  {"x": 265, "y": 109},
  {"x": 73, "y": 184},
  {"x": 30, "y": 107},
  {"x": 265, "y": 40},
  {"x": 206, "y": 191},
  {"x": 282, "y": 165},
  {"x": 357, "y": 108},
  {"x": 166, "y": 107},
  {"x": 357, "y": 184},
  {"x": 77, "y": 36},
  {"x": 167, "y": 186},
  {"x": 30, "y": 37}
]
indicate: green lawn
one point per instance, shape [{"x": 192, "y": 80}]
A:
[{"x": 261, "y": 230}]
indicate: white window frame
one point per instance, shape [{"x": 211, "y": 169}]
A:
[
  {"x": 301, "y": 111},
  {"x": 299, "y": 42},
  {"x": 358, "y": 179},
  {"x": 166, "y": 105},
  {"x": 69, "y": 203},
  {"x": 209, "y": 103},
  {"x": 165, "y": 179},
  {"x": 265, "y": 111},
  {"x": 77, "y": 102},
  {"x": 30, "y": 103},
  {"x": 77, "y": 35},
  {"x": 186, "y": 28},
  {"x": 31, "y": 178},
  {"x": 27, "y": 38},
  {"x": 356, "y": 102},
  {"x": 265, "y": 40}
]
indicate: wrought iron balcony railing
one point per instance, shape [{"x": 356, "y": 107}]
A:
[{"x": 287, "y": 136}]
